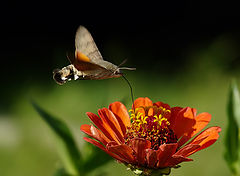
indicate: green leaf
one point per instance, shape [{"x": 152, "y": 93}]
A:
[
  {"x": 67, "y": 147},
  {"x": 61, "y": 172},
  {"x": 232, "y": 137},
  {"x": 95, "y": 158}
]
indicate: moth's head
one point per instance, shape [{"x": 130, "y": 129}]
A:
[
  {"x": 59, "y": 77},
  {"x": 117, "y": 71}
]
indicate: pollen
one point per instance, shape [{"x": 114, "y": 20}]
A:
[{"x": 151, "y": 123}]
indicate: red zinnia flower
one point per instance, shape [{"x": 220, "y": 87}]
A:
[{"x": 153, "y": 138}]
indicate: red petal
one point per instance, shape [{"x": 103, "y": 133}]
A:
[
  {"x": 176, "y": 159},
  {"x": 201, "y": 121},
  {"x": 121, "y": 113},
  {"x": 183, "y": 122},
  {"x": 104, "y": 127},
  {"x": 186, "y": 124},
  {"x": 164, "y": 153},
  {"x": 187, "y": 149},
  {"x": 97, "y": 144},
  {"x": 206, "y": 138},
  {"x": 123, "y": 151},
  {"x": 110, "y": 120},
  {"x": 161, "y": 104},
  {"x": 151, "y": 156},
  {"x": 174, "y": 115},
  {"x": 95, "y": 133},
  {"x": 139, "y": 146},
  {"x": 142, "y": 102}
]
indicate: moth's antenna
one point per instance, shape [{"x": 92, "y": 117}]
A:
[
  {"x": 127, "y": 68},
  {"x": 124, "y": 68},
  {"x": 131, "y": 90},
  {"x": 123, "y": 62}
]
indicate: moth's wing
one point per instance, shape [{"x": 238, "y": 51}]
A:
[
  {"x": 85, "y": 44},
  {"x": 87, "y": 55},
  {"x": 81, "y": 65}
]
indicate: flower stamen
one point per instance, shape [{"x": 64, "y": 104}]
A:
[{"x": 151, "y": 123}]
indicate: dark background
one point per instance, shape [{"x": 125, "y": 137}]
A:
[{"x": 32, "y": 34}]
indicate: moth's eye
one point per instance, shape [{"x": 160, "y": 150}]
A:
[{"x": 117, "y": 71}]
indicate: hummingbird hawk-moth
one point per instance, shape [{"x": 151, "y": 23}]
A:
[{"x": 87, "y": 63}]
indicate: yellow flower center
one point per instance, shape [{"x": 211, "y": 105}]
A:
[{"x": 151, "y": 123}]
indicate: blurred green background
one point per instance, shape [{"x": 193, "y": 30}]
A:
[{"x": 181, "y": 61}]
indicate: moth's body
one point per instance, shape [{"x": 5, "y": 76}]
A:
[
  {"x": 69, "y": 72},
  {"x": 87, "y": 63}
]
